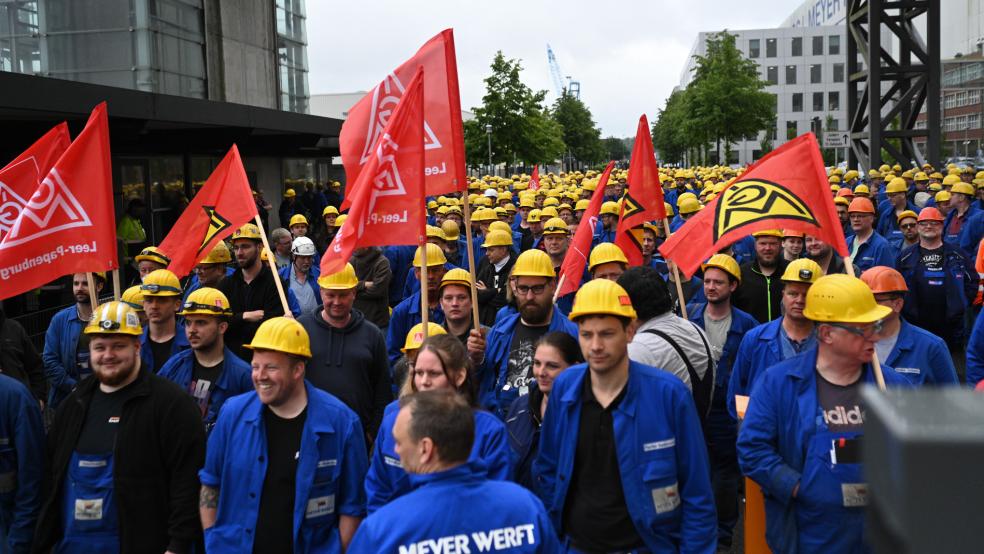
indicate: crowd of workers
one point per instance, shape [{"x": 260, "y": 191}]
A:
[{"x": 198, "y": 415}]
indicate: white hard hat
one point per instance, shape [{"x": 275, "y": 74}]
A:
[
  {"x": 303, "y": 246},
  {"x": 491, "y": 193}
]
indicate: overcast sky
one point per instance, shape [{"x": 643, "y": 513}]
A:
[{"x": 627, "y": 55}]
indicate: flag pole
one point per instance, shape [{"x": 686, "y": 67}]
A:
[
  {"x": 675, "y": 274},
  {"x": 560, "y": 284},
  {"x": 93, "y": 296},
  {"x": 116, "y": 284},
  {"x": 466, "y": 213},
  {"x": 424, "y": 301},
  {"x": 875, "y": 364},
  {"x": 273, "y": 267}
]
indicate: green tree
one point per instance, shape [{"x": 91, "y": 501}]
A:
[
  {"x": 581, "y": 136},
  {"x": 726, "y": 97},
  {"x": 616, "y": 149},
  {"x": 673, "y": 133},
  {"x": 522, "y": 128}
]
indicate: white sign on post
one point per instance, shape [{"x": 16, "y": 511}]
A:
[{"x": 836, "y": 139}]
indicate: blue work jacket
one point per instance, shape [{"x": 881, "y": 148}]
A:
[
  {"x": 975, "y": 352},
  {"x": 921, "y": 357},
  {"x": 959, "y": 282},
  {"x": 405, "y": 315},
  {"x": 235, "y": 378},
  {"x": 523, "y": 424},
  {"x": 660, "y": 449},
  {"x": 971, "y": 234},
  {"x": 888, "y": 222},
  {"x": 493, "y": 373},
  {"x": 387, "y": 480},
  {"x": 330, "y": 470},
  {"x": 782, "y": 418},
  {"x": 311, "y": 281},
  {"x": 487, "y": 516},
  {"x": 179, "y": 343},
  {"x": 21, "y": 467},
  {"x": 61, "y": 340},
  {"x": 741, "y": 323},
  {"x": 874, "y": 251},
  {"x": 400, "y": 258},
  {"x": 954, "y": 237}
]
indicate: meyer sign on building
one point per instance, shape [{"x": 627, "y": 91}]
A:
[{"x": 818, "y": 13}]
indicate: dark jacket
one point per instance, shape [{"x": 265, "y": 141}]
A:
[
  {"x": 350, "y": 363},
  {"x": 959, "y": 283},
  {"x": 494, "y": 295},
  {"x": 759, "y": 295},
  {"x": 18, "y": 357},
  {"x": 260, "y": 294},
  {"x": 160, "y": 446},
  {"x": 373, "y": 301},
  {"x": 523, "y": 422}
]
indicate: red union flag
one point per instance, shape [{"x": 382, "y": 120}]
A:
[
  {"x": 535, "y": 178},
  {"x": 444, "y": 142},
  {"x": 224, "y": 204},
  {"x": 786, "y": 189},
  {"x": 67, "y": 225},
  {"x": 21, "y": 177},
  {"x": 388, "y": 197},
  {"x": 643, "y": 201},
  {"x": 572, "y": 269}
]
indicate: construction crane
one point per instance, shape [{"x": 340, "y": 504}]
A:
[{"x": 573, "y": 87}]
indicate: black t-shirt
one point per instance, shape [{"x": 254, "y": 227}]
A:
[
  {"x": 161, "y": 351},
  {"x": 521, "y": 350},
  {"x": 595, "y": 514},
  {"x": 841, "y": 405},
  {"x": 275, "y": 520},
  {"x": 203, "y": 382},
  {"x": 102, "y": 420},
  {"x": 931, "y": 292}
]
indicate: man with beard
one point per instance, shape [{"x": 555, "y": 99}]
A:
[
  {"x": 841, "y": 203},
  {"x": 506, "y": 373},
  {"x": 821, "y": 252},
  {"x": 492, "y": 274},
  {"x": 66, "y": 348},
  {"x": 456, "y": 303},
  {"x": 161, "y": 300},
  {"x": 250, "y": 289},
  {"x": 908, "y": 226},
  {"x": 285, "y": 463},
  {"x": 725, "y": 326},
  {"x": 301, "y": 275},
  {"x": 772, "y": 342},
  {"x": 209, "y": 371},
  {"x": 123, "y": 453},
  {"x": 760, "y": 290},
  {"x": 348, "y": 352}
]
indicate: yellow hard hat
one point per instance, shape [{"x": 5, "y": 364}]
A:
[
  {"x": 962, "y": 188},
  {"x": 834, "y": 179},
  {"x": 133, "y": 297},
  {"x": 219, "y": 255},
  {"x": 289, "y": 193},
  {"x": 450, "y": 230},
  {"x": 942, "y": 196},
  {"x": 602, "y": 297},
  {"x": 510, "y": 208},
  {"x": 340, "y": 220},
  {"x": 297, "y": 219},
  {"x": 604, "y": 253},
  {"x": 500, "y": 226},
  {"x": 206, "y": 301},
  {"x": 533, "y": 263},
  {"x": 842, "y": 201},
  {"x": 533, "y": 216},
  {"x": 689, "y": 204},
  {"x": 526, "y": 202},
  {"x": 282, "y": 334},
  {"x": 432, "y": 205},
  {"x": 669, "y": 208},
  {"x": 905, "y": 214},
  {"x": 555, "y": 226},
  {"x": 435, "y": 256},
  {"x": 725, "y": 263},
  {"x": 152, "y": 254},
  {"x": 457, "y": 276},
  {"x": 843, "y": 299},
  {"x": 951, "y": 180},
  {"x": 861, "y": 189},
  {"x": 114, "y": 318},
  {"x": 498, "y": 238},
  {"x": 581, "y": 205},
  {"x": 896, "y": 185},
  {"x": 161, "y": 282},
  {"x": 609, "y": 208},
  {"x": 802, "y": 270},
  {"x": 434, "y": 232},
  {"x": 329, "y": 210},
  {"x": 552, "y": 201},
  {"x": 768, "y": 233},
  {"x": 248, "y": 231},
  {"x": 343, "y": 280},
  {"x": 548, "y": 212},
  {"x": 415, "y": 338}
]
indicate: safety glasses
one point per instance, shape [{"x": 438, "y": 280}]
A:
[{"x": 867, "y": 332}]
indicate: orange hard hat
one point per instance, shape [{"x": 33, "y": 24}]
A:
[
  {"x": 845, "y": 192},
  {"x": 862, "y": 205},
  {"x": 930, "y": 213},
  {"x": 883, "y": 279}
]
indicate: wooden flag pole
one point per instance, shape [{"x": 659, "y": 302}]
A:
[
  {"x": 273, "y": 267},
  {"x": 93, "y": 296},
  {"x": 424, "y": 301},
  {"x": 675, "y": 271},
  {"x": 466, "y": 213},
  {"x": 875, "y": 364},
  {"x": 560, "y": 284},
  {"x": 116, "y": 284}
]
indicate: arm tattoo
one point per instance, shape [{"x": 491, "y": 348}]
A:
[{"x": 209, "y": 498}]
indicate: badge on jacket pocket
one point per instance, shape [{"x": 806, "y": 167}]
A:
[
  {"x": 666, "y": 499},
  {"x": 320, "y": 506},
  {"x": 855, "y": 494},
  {"x": 88, "y": 509}
]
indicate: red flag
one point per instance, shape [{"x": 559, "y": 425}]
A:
[
  {"x": 388, "y": 197},
  {"x": 21, "y": 177},
  {"x": 535, "y": 178},
  {"x": 68, "y": 224},
  {"x": 224, "y": 204},
  {"x": 443, "y": 134},
  {"x": 643, "y": 201},
  {"x": 787, "y": 188},
  {"x": 572, "y": 269}
]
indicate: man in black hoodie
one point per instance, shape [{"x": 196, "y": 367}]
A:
[
  {"x": 348, "y": 352},
  {"x": 19, "y": 358}
]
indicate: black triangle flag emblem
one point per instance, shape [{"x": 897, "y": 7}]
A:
[{"x": 216, "y": 224}]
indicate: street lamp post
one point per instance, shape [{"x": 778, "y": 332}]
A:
[{"x": 488, "y": 133}]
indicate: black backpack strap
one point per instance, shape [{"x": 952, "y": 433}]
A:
[{"x": 702, "y": 388}]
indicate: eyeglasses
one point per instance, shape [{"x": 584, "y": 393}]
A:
[
  {"x": 907, "y": 225},
  {"x": 524, "y": 290},
  {"x": 866, "y": 332}
]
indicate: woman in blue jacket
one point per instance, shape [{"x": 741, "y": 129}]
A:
[
  {"x": 442, "y": 363},
  {"x": 555, "y": 352}
]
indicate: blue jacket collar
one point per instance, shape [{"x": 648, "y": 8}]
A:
[
  {"x": 804, "y": 365},
  {"x": 470, "y": 471},
  {"x": 628, "y": 404}
]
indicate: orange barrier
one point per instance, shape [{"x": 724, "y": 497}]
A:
[{"x": 754, "y": 503}]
